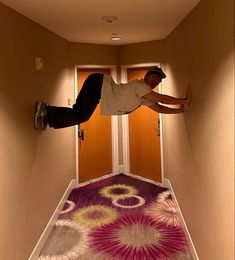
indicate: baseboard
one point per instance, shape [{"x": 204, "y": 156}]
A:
[
  {"x": 48, "y": 229},
  {"x": 145, "y": 179},
  {"x": 168, "y": 185},
  {"x": 120, "y": 168}
]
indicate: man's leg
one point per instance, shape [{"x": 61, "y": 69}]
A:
[
  {"x": 57, "y": 117},
  {"x": 89, "y": 96},
  {"x": 60, "y": 117}
]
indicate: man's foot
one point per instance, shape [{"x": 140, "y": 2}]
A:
[{"x": 40, "y": 116}]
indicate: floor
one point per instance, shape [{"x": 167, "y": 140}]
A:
[{"x": 118, "y": 217}]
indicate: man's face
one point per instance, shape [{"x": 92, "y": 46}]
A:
[{"x": 152, "y": 80}]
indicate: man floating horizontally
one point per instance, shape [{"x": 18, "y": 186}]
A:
[{"x": 116, "y": 99}]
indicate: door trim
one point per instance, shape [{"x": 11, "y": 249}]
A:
[
  {"x": 114, "y": 120},
  {"x": 125, "y": 122}
]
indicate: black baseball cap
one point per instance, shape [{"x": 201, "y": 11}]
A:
[{"x": 158, "y": 71}]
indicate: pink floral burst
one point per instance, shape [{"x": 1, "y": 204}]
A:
[
  {"x": 139, "y": 237},
  {"x": 164, "y": 211}
]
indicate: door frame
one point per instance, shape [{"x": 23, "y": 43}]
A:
[
  {"x": 114, "y": 120},
  {"x": 125, "y": 122}
]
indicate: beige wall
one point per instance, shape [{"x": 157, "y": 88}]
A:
[
  {"x": 145, "y": 52},
  {"x": 199, "y": 145},
  {"x": 35, "y": 167},
  {"x": 97, "y": 54}
]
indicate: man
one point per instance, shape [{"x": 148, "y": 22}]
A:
[{"x": 116, "y": 99}]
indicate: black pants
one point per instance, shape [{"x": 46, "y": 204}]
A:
[{"x": 86, "y": 102}]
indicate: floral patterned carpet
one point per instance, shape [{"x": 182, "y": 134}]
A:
[{"x": 119, "y": 217}]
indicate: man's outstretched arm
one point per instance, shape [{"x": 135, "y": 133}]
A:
[
  {"x": 165, "y": 99},
  {"x": 167, "y": 110}
]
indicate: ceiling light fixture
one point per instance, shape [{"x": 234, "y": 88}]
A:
[{"x": 115, "y": 37}]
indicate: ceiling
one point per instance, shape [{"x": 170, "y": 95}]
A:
[{"x": 81, "y": 21}]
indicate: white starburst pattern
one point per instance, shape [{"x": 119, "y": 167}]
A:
[{"x": 75, "y": 251}]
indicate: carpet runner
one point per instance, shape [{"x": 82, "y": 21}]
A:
[{"x": 120, "y": 217}]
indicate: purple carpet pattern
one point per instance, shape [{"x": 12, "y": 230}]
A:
[{"x": 120, "y": 217}]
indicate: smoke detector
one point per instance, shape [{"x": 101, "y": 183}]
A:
[{"x": 109, "y": 18}]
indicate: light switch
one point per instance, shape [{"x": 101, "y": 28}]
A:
[{"x": 39, "y": 63}]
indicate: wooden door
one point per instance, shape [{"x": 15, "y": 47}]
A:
[
  {"x": 145, "y": 155},
  {"x": 95, "y": 151}
]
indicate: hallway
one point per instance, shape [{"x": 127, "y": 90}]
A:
[{"x": 37, "y": 167}]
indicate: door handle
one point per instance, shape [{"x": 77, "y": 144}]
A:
[
  {"x": 158, "y": 127},
  {"x": 81, "y": 134}
]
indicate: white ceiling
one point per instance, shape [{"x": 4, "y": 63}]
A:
[{"x": 81, "y": 21}]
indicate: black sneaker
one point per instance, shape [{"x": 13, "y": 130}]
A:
[{"x": 40, "y": 116}]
